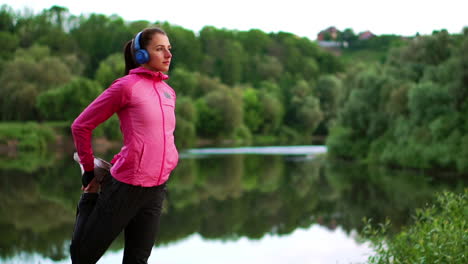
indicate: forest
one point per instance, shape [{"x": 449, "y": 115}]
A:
[{"x": 392, "y": 100}]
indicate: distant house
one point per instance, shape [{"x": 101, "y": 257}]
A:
[
  {"x": 366, "y": 35},
  {"x": 330, "y": 33},
  {"x": 328, "y": 39}
]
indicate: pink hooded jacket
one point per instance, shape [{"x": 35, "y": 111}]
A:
[{"x": 145, "y": 106}]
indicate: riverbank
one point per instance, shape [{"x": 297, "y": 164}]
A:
[{"x": 18, "y": 137}]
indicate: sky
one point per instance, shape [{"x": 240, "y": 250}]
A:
[
  {"x": 305, "y": 18},
  {"x": 314, "y": 245}
]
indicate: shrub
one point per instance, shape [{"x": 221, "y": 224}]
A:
[
  {"x": 439, "y": 234},
  {"x": 29, "y": 136}
]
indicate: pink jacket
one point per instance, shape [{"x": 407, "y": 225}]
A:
[{"x": 145, "y": 106}]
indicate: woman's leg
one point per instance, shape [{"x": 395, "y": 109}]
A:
[
  {"x": 140, "y": 233},
  {"x": 95, "y": 230},
  {"x": 85, "y": 207}
]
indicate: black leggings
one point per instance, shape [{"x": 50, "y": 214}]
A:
[{"x": 101, "y": 217}]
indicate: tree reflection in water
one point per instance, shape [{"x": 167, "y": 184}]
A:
[{"x": 222, "y": 197}]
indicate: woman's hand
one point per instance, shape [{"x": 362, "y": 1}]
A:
[
  {"x": 92, "y": 187},
  {"x": 87, "y": 177}
]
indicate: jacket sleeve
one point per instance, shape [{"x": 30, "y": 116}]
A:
[{"x": 104, "y": 106}]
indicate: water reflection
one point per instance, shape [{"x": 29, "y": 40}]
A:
[{"x": 218, "y": 197}]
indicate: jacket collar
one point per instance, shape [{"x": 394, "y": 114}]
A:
[{"x": 151, "y": 74}]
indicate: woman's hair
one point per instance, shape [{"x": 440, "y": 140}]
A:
[{"x": 146, "y": 36}]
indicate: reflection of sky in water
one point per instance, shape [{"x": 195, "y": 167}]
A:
[
  {"x": 271, "y": 150},
  {"x": 315, "y": 245}
]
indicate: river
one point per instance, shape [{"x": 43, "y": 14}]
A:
[{"x": 224, "y": 205}]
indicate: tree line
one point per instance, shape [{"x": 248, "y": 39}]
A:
[
  {"x": 407, "y": 108},
  {"x": 231, "y": 84},
  {"x": 411, "y": 110}
]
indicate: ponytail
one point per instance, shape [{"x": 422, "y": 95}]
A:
[{"x": 128, "y": 55}]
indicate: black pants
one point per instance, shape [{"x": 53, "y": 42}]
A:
[{"x": 101, "y": 218}]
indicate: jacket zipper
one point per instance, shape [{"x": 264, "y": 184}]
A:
[{"x": 164, "y": 133}]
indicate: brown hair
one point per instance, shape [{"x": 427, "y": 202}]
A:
[{"x": 146, "y": 36}]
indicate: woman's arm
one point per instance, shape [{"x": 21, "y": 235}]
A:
[{"x": 104, "y": 106}]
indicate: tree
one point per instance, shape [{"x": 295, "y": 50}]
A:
[
  {"x": 273, "y": 112},
  {"x": 427, "y": 101},
  {"x": 186, "y": 114},
  {"x": 99, "y": 36},
  {"x": 68, "y": 101},
  {"x": 266, "y": 68},
  {"x": 46, "y": 29},
  {"x": 253, "y": 116},
  {"x": 231, "y": 66},
  {"x": 30, "y": 73},
  {"x": 7, "y": 19},
  {"x": 349, "y": 36},
  {"x": 329, "y": 90},
  {"x": 110, "y": 69},
  {"x": 186, "y": 48},
  {"x": 219, "y": 113},
  {"x": 9, "y": 45},
  {"x": 304, "y": 112},
  {"x": 186, "y": 83}
]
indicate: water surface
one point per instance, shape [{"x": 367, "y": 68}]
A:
[{"x": 239, "y": 205}]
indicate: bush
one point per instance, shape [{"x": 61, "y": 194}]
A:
[
  {"x": 29, "y": 136},
  {"x": 67, "y": 101},
  {"x": 437, "y": 236}
]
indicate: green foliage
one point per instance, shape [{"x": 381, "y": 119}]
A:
[
  {"x": 30, "y": 73},
  {"x": 27, "y": 136},
  {"x": 203, "y": 64},
  {"x": 253, "y": 114},
  {"x": 242, "y": 136},
  {"x": 10, "y": 43},
  {"x": 438, "y": 234},
  {"x": 186, "y": 47},
  {"x": 67, "y": 101},
  {"x": 273, "y": 113},
  {"x": 266, "y": 68},
  {"x": 342, "y": 143},
  {"x": 110, "y": 69},
  {"x": 99, "y": 36},
  {"x": 186, "y": 82},
  {"x": 219, "y": 113},
  {"x": 186, "y": 115},
  {"x": 7, "y": 19},
  {"x": 427, "y": 101},
  {"x": 407, "y": 145},
  {"x": 329, "y": 92},
  {"x": 409, "y": 112},
  {"x": 110, "y": 129},
  {"x": 304, "y": 112}
]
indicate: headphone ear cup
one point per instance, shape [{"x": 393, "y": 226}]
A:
[{"x": 142, "y": 56}]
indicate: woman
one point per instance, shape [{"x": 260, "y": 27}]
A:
[{"x": 132, "y": 198}]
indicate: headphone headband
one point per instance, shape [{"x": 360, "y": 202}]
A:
[{"x": 136, "y": 42}]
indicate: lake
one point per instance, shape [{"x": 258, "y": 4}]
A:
[{"x": 224, "y": 205}]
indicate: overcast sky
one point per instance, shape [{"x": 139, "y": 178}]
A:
[{"x": 304, "y": 18}]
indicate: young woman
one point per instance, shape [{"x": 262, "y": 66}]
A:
[{"x": 132, "y": 198}]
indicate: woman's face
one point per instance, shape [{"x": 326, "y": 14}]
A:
[{"x": 159, "y": 49}]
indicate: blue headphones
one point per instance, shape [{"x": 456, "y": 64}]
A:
[{"x": 141, "y": 55}]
